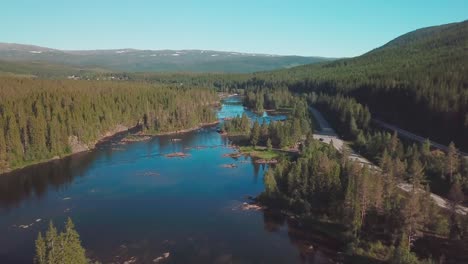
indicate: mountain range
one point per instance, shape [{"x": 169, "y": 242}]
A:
[{"x": 133, "y": 60}]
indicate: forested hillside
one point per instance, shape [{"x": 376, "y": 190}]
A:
[
  {"x": 40, "y": 119},
  {"x": 418, "y": 81}
]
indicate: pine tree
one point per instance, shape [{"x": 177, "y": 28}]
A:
[
  {"x": 353, "y": 128},
  {"x": 52, "y": 245},
  {"x": 73, "y": 252},
  {"x": 426, "y": 147},
  {"x": 352, "y": 201},
  {"x": 264, "y": 131},
  {"x": 402, "y": 254},
  {"x": 63, "y": 248},
  {"x": 412, "y": 215},
  {"x": 416, "y": 174},
  {"x": 385, "y": 162},
  {"x": 268, "y": 144},
  {"x": 456, "y": 197},
  {"x": 452, "y": 161},
  {"x": 255, "y": 134},
  {"x": 41, "y": 250},
  {"x": 270, "y": 183},
  {"x": 345, "y": 153},
  {"x": 394, "y": 143},
  {"x": 245, "y": 123},
  {"x": 3, "y": 149},
  {"x": 364, "y": 192},
  {"x": 12, "y": 136},
  {"x": 37, "y": 135}
]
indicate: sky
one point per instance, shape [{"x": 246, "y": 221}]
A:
[{"x": 330, "y": 28}]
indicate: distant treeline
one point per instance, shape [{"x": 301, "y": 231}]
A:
[{"x": 38, "y": 117}]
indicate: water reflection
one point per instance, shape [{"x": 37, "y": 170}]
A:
[
  {"x": 34, "y": 181},
  {"x": 313, "y": 246}
]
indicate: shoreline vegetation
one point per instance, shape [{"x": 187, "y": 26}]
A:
[
  {"x": 179, "y": 131},
  {"x": 79, "y": 147},
  {"x": 44, "y": 120},
  {"x": 76, "y": 147}
]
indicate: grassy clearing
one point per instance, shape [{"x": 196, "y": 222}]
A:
[{"x": 259, "y": 152}]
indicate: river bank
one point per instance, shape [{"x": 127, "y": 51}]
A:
[
  {"x": 77, "y": 146},
  {"x": 181, "y": 131}
]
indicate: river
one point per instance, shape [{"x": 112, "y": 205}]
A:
[{"x": 130, "y": 202}]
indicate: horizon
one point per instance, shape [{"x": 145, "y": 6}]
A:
[
  {"x": 274, "y": 28},
  {"x": 135, "y": 49}
]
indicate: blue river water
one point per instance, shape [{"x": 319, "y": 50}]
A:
[{"x": 131, "y": 202}]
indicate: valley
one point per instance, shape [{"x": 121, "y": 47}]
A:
[{"x": 217, "y": 150}]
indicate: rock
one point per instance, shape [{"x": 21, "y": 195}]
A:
[
  {"x": 131, "y": 260},
  {"x": 232, "y": 155},
  {"x": 177, "y": 155},
  {"x": 76, "y": 145},
  {"x": 161, "y": 258},
  {"x": 149, "y": 173},
  {"x": 247, "y": 206},
  {"x": 135, "y": 138},
  {"x": 229, "y": 166},
  {"x": 265, "y": 161}
]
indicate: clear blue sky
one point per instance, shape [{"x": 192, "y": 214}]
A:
[{"x": 324, "y": 28}]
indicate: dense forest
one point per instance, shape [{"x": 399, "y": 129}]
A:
[
  {"x": 40, "y": 119},
  {"x": 278, "y": 134},
  {"x": 382, "y": 222},
  {"x": 442, "y": 170},
  {"x": 417, "y": 81}
]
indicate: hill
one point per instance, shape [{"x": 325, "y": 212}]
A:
[
  {"x": 418, "y": 81},
  {"x": 132, "y": 60}
]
